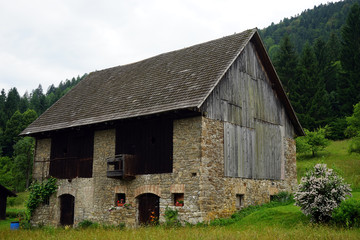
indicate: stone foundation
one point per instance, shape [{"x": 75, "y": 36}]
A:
[{"x": 198, "y": 173}]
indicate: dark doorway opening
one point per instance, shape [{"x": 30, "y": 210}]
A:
[
  {"x": 67, "y": 203},
  {"x": 148, "y": 209}
]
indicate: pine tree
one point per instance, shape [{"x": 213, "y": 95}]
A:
[
  {"x": 285, "y": 64},
  {"x": 13, "y": 129},
  {"x": 12, "y": 102},
  {"x": 38, "y": 100},
  {"x": 349, "y": 89},
  {"x": 306, "y": 87},
  {"x": 24, "y": 102},
  {"x": 2, "y": 109}
]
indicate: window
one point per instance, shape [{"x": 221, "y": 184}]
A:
[
  {"x": 72, "y": 154},
  {"x": 239, "y": 201},
  {"x": 120, "y": 199},
  {"x": 46, "y": 201},
  {"x": 178, "y": 199}
]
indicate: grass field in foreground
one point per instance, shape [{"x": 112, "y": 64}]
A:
[{"x": 284, "y": 222}]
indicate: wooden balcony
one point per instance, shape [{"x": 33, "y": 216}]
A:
[{"x": 121, "y": 166}]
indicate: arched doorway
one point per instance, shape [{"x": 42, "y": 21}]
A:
[
  {"x": 67, "y": 203},
  {"x": 148, "y": 208}
]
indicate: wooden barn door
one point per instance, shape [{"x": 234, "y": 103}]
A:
[
  {"x": 148, "y": 208},
  {"x": 67, "y": 203}
]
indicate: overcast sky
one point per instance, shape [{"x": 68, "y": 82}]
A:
[{"x": 47, "y": 41}]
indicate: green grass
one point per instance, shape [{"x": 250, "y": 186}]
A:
[
  {"x": 282, "y": 222},
  {"x": 336, "y": 156},
  {"x": 19, "y": 201}
]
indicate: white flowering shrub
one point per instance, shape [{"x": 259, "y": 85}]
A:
[{"x": 320, "y": 192}]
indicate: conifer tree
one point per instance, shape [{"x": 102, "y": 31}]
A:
[
  {"x": 285, "y": 64},
  {"x": 2, "y": 109},
  {"x": 349, "y": 87},
  {"x": 306, "y": 87},
  {"x": 12, "y": 102}
]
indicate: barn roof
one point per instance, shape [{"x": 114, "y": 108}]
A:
[{"x": 171, "y": 81}]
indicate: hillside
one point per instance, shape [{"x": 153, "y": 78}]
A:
[
  {"x": 336, "y": 156},
  {"x": 311, "y": 24}
]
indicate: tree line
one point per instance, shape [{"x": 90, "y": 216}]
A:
[
  {"x": 16, "y": 113},
  {"x": 323, "y": 80}
]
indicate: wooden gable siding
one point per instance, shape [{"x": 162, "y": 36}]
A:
[{"x": 255, "y": 121}]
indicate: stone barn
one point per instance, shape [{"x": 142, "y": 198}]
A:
[{"x": 205, "y": 130}]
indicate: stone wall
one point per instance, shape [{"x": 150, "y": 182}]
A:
[
  {"x": 95, "y": 196},
  {"x": 41, "y": 159},
  {"x": 198, "y": 173},
  {"x": 218, "y": 193}
]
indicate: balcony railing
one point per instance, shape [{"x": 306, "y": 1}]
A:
[
  {"x": 121, "y": 166},
  {"x": 71, "y": 167}
]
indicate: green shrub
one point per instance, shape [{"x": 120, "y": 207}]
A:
[
  {"x": 87, "y": 223},
  {"x": 14, "y": 213},
  {"x": 320, "y": 192},
  {"x": 313, "y": 141},
  {"x": 11, "y": 201},
  {"x": 40, "y": 193},
  {"x": 171, "y": 217},
  {"x": 335, "y": 130},
  {"x": 282, "y": 197},
  {"x": 348, "y": 213}
]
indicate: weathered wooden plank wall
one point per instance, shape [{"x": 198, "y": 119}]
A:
[{"x": 255, "y": 122}]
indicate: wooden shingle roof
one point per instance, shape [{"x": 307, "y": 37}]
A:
[{"x": 175, "y": 80}]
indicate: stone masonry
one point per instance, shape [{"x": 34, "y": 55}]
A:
[{"x": 198, "y": 173}]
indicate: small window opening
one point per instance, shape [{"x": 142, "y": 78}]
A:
[
  {"x": 47, "y": 201},
  {"x": 239, "y": 201},
  {"x": 120, "y": 199},
  {"x": 178, "y": 199}
]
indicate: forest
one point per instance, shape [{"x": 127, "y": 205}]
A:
[{"x": 316, "y": 55}]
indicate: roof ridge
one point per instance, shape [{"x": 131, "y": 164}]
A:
[
  {"x": 177, "y": 50},
  {"x": 252, "y": 31}
]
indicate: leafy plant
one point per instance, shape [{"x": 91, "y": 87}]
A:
[
  {"x": 171, "y": 217},
  {"x": 282, "y": 197},
  {"x": 348, "y": 213},
  {"x": 320, "y": 192},
  {"x": 314, "y": 141},
  {"x": 40, "y": 193},
  {"x": 353, "y": 129},
  {"x": 87, "y": 223}
]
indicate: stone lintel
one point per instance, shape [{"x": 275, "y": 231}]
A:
[
  {"x": 155, "y": 189},
  {"x": 273, "y": 191},
  {"x": 177, "y": 188},
  {"x": 240, "y": 189},
  {"x": 120, "y": 189}
]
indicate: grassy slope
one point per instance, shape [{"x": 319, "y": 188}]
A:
[
  {"x": 336, "y": 157},
  {"x": 283, "y": 222}
]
